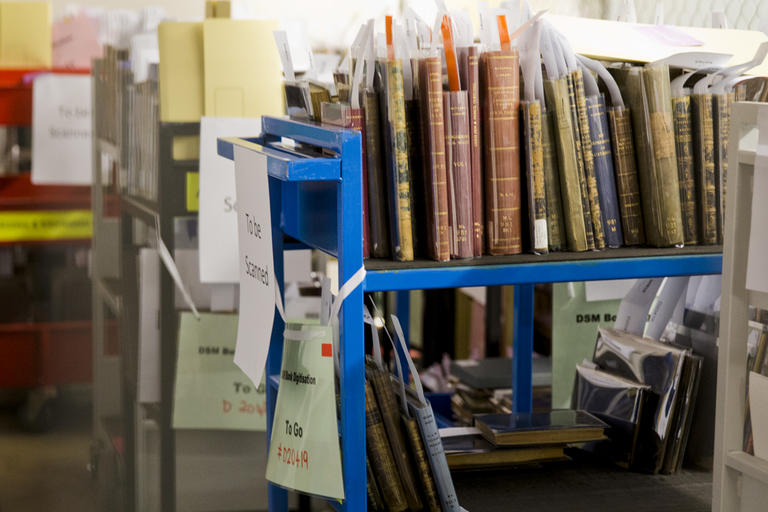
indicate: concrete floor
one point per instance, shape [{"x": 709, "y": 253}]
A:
[{"x": 47, "y": 472}]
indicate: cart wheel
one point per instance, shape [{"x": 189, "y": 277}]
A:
[{"x": 38, "y": 412}]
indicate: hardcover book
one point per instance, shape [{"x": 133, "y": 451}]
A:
[
  {"x": 576, "y": 126},
  {"x": 704, "y": 160},
  {"x": 681, "y": 108},
  {"x": 378, "y": 214},
  {"x": 534, "y": 176},
  {"x": 459, "y": 161},
  {"x": 627, "y": 185},
  {"x": 469, "y": 71},
  {"x": 500, "y": 97},
  {"x": 559, "y": 426},
  {"x": 555, "y": 228}
]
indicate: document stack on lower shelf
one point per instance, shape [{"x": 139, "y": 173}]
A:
[{"x": 646, "y": 391}]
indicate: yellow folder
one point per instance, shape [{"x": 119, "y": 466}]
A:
[
  {"x": 25, "y": 35},
  {"x": 243, "y": 75},
  {"x": 181, "y": 71}
]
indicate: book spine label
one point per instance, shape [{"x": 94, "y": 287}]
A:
[
  {"x": 431, "y": 84},
  {"x": 380, "y": 454},
  {"x": 704, "y": 148},
  {"x": 575, "y": 127},
  {"x": 589, "y": 163},
  {"x": 456, "y": 114},
  {"x": 377, "y": 183},
  {"x": 534, "y": 176},
  {"x": 500, "y": 104},
  {"x": 570, "y": 188},
  {"x": 555, "y": 227},
  {"x": 604, "y": 173},
  {"x": 475, "y": 128},
  {"x": 626, "y": 176},
  {"x": 400, "y": 179},
  {"x": 722, "y": 128},
  {"x": 681, "y": 108}
]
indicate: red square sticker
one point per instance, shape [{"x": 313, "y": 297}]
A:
[{"x": 327, "y": 350}]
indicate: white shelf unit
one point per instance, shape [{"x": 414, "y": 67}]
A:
[{"x": 740, "y": 480}]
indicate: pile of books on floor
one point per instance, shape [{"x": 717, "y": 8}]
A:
[
  {"x": 518, "y": 144},
  {"x": 506, "y": 439},
  {"x": 485, "y": 386},
  {"x": 646, "y": 391}
]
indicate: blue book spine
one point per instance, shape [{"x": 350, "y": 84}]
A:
[{"x": 606, "y": 181}]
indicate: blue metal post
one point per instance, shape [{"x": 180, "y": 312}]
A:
[
  {"x": 278, "y": 497},
  {"x": 349, "y": 218},
  {"x": 523, "y": 348}
]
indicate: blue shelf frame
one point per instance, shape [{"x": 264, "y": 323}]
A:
[{"x": 318, "y": 202}]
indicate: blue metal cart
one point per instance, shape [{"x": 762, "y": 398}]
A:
[{"x": 318, "y": 201}]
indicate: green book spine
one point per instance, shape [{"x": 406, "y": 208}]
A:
[
  {"x": 704, "y": 151},
  {"x": 570, "y": 188},
  {"x": 681, "y": 107},
  {"x": 625, "y": 168},
  {"x": 555, "y": 227},
  {"x": 580, "y": 163},
  {"x": 598, "y": 229}
]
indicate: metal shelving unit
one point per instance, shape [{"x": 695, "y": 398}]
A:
[
  {"x": 740, "y": 479},
  {"x": 318, "y": 201}
]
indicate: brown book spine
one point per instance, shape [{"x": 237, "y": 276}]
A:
[
  {"x": 704, "y": 148},
  {"x": 534, "y": 176},
  {"x": 399, "y": 172},
  {"x": 589, "y": 164},
  {"x": 458, "y": 158},
  {"x": 580, "y": 163},
  {"x": 375, "y": 502},
  {"x": 390, "y": 413},
  {"x": 555, "y": 227},
  {"x": 500, "y": 98},
  {"x": 435, "y": 168},
  {"x": 625, "y": 167},
  {"x": 420, "y": 462},
  {"x": 681, "y": 109},
  {"x": 722, "y": 129},
  {"x": 377, "y": 181},
  {"x": 380, "y": 455},
  {"x": 470, "y": 75}
]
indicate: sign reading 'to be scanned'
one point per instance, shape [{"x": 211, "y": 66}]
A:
[{"x": 257, "y": 283}]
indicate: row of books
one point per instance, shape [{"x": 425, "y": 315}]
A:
[
  {"x": 646, "y": 391},
  {"x": 757, "y": 361},
  {"x": 518, "y": 144}
]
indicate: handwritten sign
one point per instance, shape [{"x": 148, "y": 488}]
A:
[
  {"x": 61, "y": 129},
  {"x": 218, "y": 218},
  {"x": 211, "y": 391},
  {"x": 257, "y": 284},
  {"x": 304, "y": 449}
]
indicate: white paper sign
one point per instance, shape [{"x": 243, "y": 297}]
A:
[
  {"x": 61, "y": 129},
  {"x": 610, "y": 289},
  {"x": 218, "y": 224},
  {"x": 257, "y": 279}
]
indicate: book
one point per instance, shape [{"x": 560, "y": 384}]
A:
[
  {"x": 380, "y": 455},
  {"x": 534, "y": 176},
  {"x": 604, "y": 171},
  {"x": 416, "y": 165},
  {"x": 378, "y": 216},
  {"x": 398, "y": 171},
  {"x": 499, "y": 87},
  {"x": 469, "y": 71},
  {"x": 617, "y": 401},
  {"x": 375, "y": 502},
  {"x": 390, "y": 413},
  {"x": 625, "y": 167},
  {"x": 555, "y": 228},
  {"x": 435, "y": 168},
  {"x": 458, "y": 171},
  {"x": 681, "y": 108},
  {"x": 421, "y": 465},
  {"x": 673, "y": 459},
  {"x": 721, "y": 116},
  {"x": 648, "y": 93},
  {"x": 570, "y": 188},
  {"x": 704, "y": 165},
  {"x": 298, "y": 101},
  {"x": 598, "y": 230},
  {"x": 583, "y": 188},
  {"x": 559, "y": 426},
  {"x": 468, "y": 449},
  {"x": 344, "y": 116}
]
